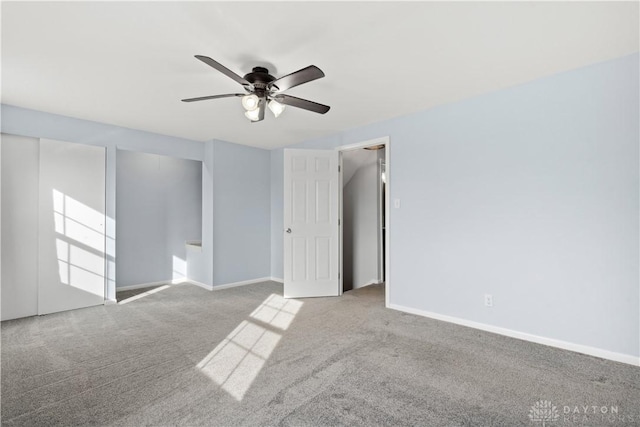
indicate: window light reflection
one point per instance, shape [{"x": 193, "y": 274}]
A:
[{"x": 238, "y": 359}]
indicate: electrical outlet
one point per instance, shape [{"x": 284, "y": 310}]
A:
[{"x": 488, "y": 300}]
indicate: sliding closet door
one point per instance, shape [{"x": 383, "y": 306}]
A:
[
  {"x": 71, "y": 239},
  {"x": 19, "y": 226}
]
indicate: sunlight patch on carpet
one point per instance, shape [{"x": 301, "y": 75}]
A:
[
  {"x": 277, "y": 311},
  {"x": 238, "y": 359}
]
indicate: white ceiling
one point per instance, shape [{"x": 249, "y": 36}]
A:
[{"x": 129, "y": 64}]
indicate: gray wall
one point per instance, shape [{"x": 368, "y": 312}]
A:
[
  {"x": 530, "y": 194},
  {"x": 242, "y": 213},
  {"x": 158, "y": 208},
  {"x": 360, "y": 220},
  {"x": 19, "y": 261}
]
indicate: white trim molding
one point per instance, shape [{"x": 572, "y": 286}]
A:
[
  {"x": 142, "y": 285},
  {"x": 202, "y": 285},
  {"x": 387, "y": 206},
  {"x": 242, "y": 283},
  {"x": 578, "y": 348},
  {"x": 372, "y": 282},
  {"x": 368, "y": 143},
  {"x": 193, "y": 282},
  {"x": 164, "y": 282}
]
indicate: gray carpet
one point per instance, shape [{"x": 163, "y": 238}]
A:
[{"x": 187, "y": 356}]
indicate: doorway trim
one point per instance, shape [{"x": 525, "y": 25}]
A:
[{"x": 387, "y": 207}]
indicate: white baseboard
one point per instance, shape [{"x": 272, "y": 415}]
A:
[
  {"x": 110, "y": 302},
  {"x": 373, "y": 282},
  {"x": 276, "y": 279},
  {"x": 163, "y": 282},
  {"x": 242, "y": 283},
  {"x": 142, "y": 285},
  {"x": 202, "y": 285},
  {"x": 579, "y": 348}
]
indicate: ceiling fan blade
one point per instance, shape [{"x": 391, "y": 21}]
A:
[
  {"x": 204, "y": 98},
  {"x": 302, "y": 103},
  {"x": 296, "y": 78},
  {"x": 224, "y": 70}
]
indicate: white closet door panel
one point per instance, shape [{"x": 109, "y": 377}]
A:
[
  {"x": 71, "y": 243},
  {"x": 19, "y": 259}
]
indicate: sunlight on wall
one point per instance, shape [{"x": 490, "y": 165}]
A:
[
  {"x": 237, "y": 360},
  {"x": 179, "y": 268},
  {"x": 144, "y": 294},
  {"x": 80, "y": 246},
  {"x": 110, "y": 249}
]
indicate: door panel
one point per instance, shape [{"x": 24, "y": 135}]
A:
[
  {"x": 311, "y": 248},
  {"x": 19, "y": 201},
  {"x": 71, "y": 241}
]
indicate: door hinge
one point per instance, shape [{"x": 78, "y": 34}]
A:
[
  {"x": 339, "y": 168},
  {"x": 338, "y": 222}
]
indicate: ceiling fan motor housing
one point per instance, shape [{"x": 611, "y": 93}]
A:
[{"x": 260, "y": 78}]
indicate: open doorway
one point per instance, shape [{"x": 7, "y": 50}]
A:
[
  {"x": 313, "y": 211},
  {"x": 364, "y": 214}
]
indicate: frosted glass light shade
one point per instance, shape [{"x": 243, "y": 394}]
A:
[
  {"x": 252, "y": 115},
  {"x": 250, "y": 102},
  {"x": 276, "y": 108}
]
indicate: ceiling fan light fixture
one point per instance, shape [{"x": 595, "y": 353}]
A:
[
  {"x": 263, "y": 89},
  {"x": 276, "y": 107},
  {"x": 250, "y": 102},
  {"x": 253, "y": 115}
]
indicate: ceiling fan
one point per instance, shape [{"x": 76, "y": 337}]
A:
[{"x": 264, "y": 90}]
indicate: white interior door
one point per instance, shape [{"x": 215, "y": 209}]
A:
[
  {"x": 71, "y": 241},
  {"x": 311, "y": 235}
]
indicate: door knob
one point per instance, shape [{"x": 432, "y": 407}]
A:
[{"x": 288, "y": 230}]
